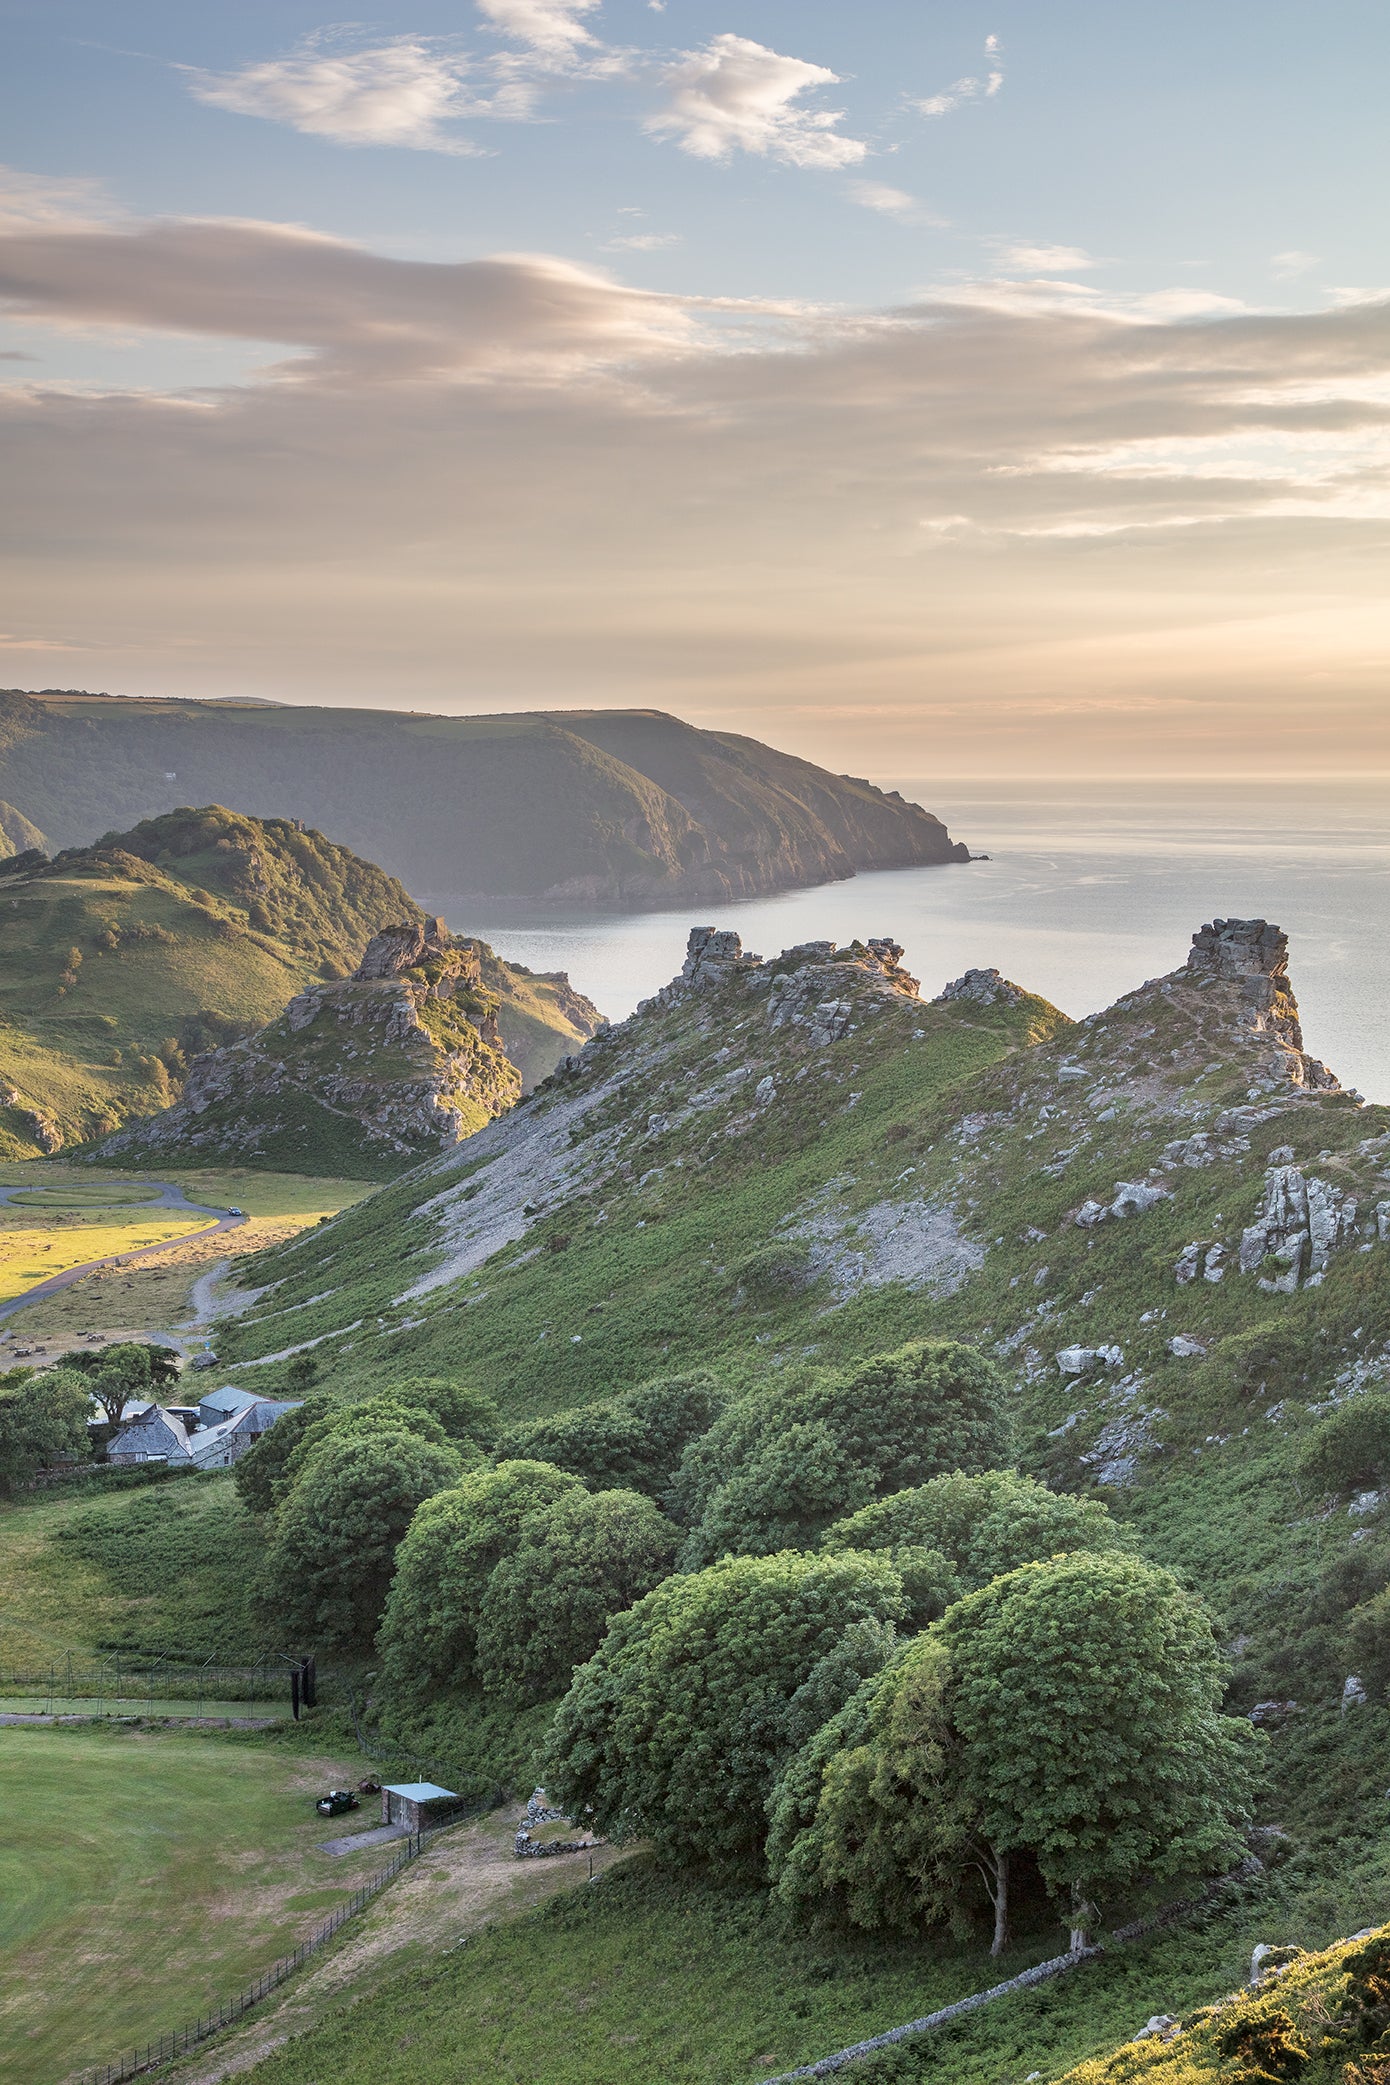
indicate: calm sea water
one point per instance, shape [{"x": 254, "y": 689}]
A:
[{"x": 1090, "y": 888}]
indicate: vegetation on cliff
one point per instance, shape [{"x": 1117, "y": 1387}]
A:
[
  {"x": 611, "y": 807},
  {"x": 122, "y": 961}
]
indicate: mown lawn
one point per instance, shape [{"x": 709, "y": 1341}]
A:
[{"x": 145, "y": 1877}]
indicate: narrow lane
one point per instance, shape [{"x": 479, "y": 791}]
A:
[{"x": 170, "y": 1197}]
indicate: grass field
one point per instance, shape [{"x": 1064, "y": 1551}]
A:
[
  {"x": 74, "y": 1213},
  {"x": 168, "y": 1570},
  {"x": 154, "y": 1875}
]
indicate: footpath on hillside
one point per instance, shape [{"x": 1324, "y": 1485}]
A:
[{"x": 469, "y": 1877}]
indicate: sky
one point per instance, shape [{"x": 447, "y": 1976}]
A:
[{"x": 921, "y": 385}]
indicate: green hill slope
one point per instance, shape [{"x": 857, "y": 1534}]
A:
[
  {"x": 122, "y": 961},
  {"x": 623, "y": 807}
]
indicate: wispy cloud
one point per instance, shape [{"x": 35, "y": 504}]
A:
[
  {"x": 893, "y": 202},
  {"x": 1048, "y": 260},
  {"x": 739, "y": 96},
  {"x": 37, "y": 200},
  {"x": 973, "y": 87},
  {"x": 642, "y": 242},
  {"x": 1284, "y": 266},
  {"x": 407, "y": 93}
]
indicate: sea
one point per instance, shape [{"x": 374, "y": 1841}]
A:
[{"x": 1090, "y": 888}]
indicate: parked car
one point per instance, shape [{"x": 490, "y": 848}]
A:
[{"x": 336, "y": 1802}]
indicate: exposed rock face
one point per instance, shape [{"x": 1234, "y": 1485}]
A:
[
  {"x": 984, "y": 987},
  {"x": 1300, "y": 1223},
  {"x": 1255, "y": 956},
  {"x": 402, "y": 1060}
]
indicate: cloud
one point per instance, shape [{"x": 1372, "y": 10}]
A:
[
  {"x": 551, "y": 26},
  {"x": 37, "y": 200},
  {"x": 1048, "y": 260},
  {"x": 892, "y": 202},
  {"x": 738, "y": 96},
  {"x": 520, "y": 481},
  {"x": 642, "y": 242},
  {"x": 1285, "y": 265},
  {"x": 354, "y": 317},
  {"x": 971, "y": 88},
  {"x": 400, "y": 93}
]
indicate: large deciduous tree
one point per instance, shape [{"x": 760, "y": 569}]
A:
[
  {"x": 546, "y": 1606},
  {"x": 781, "y": 1465},
  {"x": 43, "y": 1421},
  {"x": 1066, "y": 1713},
  {"x": 631, "y": 1442},
  {"x": 429, "y": 1633},
  {"x": 677, "y": 1725},
  {"x": 330, "y": 1562}
]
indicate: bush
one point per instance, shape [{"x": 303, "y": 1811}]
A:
[
  {"x": 546, "y": 1606},
  {"x": 678, "y": 1724},
  {"x": 1350, "y": 1450},
  {"x": 774, "y": 1272},
  {"x": 330, "y": 1563},
  {"x": 781, "y": 1467},
  {"x": 259, "y": 1474},
  {"x": 429, "y": 1634}
]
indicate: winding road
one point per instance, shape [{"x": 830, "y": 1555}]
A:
[{"x": 169, "y": 1197}]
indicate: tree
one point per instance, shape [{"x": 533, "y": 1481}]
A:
[
  {"x": 344, "y": 1422},
  {"x": 633, "y": 1441},
  {"x": 464, "y": 1413},
  {"x": 782, "y": 1466},
  {"x": 261, "y": 1469},
  {"x": 1085, "y": 1693},
  {"x": 130, "y": 1371},
  {"x": 1065, "y": 1713},
  {"x": 953, "y": 1534},
  {"x": 429, "y": 1633},
  {"x": 330, "y": 1561},
  {"x": 869, "y": 1818},
  {"x": 1350, "y": 1450},
  {"x": 43, "y": 1421},
  {"x": 677, "y": 1725},
  {"x": 546, "y": 1606}
]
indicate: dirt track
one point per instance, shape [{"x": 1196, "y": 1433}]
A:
[{"x": 467, "y": 1879}]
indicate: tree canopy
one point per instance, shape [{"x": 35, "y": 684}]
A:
[
  {"x": 43, "y": 1420},
  {"x": 781, "y": 1466},
  {"x": 1066, "y": 1712},
  {"x": 429, "y": 1633},
  {"x": 330, "y": 1562},
  {"x": 577, "y": 1563},
  {"x": 677, "y": 1725},
  {"x": 631, "y": 1442},
  {"x": 953, "y": 1534}
]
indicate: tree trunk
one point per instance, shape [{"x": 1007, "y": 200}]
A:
[
  {"x": 1082, "y": 1914},
  {"x": 993, "y": 1866}
]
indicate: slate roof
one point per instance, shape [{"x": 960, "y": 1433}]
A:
[{"x": 420, "y": 1791}]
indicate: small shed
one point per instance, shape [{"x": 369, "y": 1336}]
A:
[{"x": 409, "y": 1803}]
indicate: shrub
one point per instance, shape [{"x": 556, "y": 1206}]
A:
[
  {"x": 546, "y": 1606},
  {"x": 43, "y": 1420}
]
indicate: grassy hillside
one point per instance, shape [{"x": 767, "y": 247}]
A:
[
  {"x": 120, "y": 962},
  {"x": 625, "y": 808}
]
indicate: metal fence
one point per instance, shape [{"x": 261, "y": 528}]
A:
[
  {"x": 135, "y": 1677},
  {"x": 187, "y": 2037}
]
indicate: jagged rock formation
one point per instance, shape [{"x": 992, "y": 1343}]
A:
[
  {"x": 623, "y": 808},
  {"x": 402, "y": 1059},
  {"x": 1255, "y": 956}
]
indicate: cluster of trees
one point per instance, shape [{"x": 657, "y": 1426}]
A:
[
  {"x": 43, "y": 1421},
  {"x": 817, "y": 1631}
]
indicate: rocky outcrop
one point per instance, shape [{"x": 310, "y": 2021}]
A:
[
  {"x": 982, "y": 988},
  {"x": 1254, "y": 956},
  {"x": 397, "y": 1062}
]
